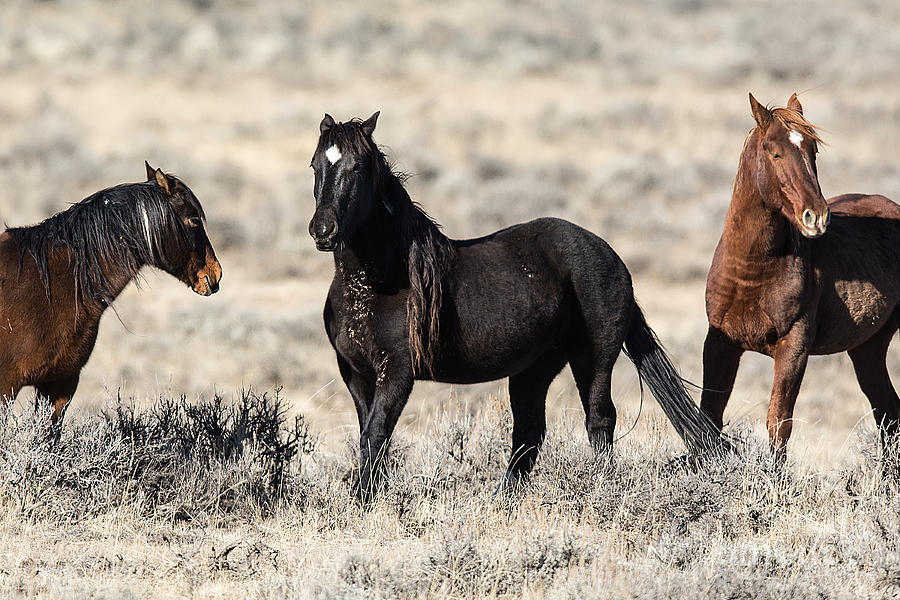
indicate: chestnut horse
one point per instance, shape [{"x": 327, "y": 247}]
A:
[
  {"x": 57, "y": 277},
  {"x": 409, "y": 303},
  {"x": 795, "y": 274}
]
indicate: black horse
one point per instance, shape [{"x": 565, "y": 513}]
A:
[{"x": 409, "y": 303}]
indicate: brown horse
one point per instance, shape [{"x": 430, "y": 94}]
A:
[
  {"x": 795, "y": 274},
  {"x": 57, "y": 277}
]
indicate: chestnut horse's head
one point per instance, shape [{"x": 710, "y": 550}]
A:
[
  {"x": 344, "y": 165},
  {"x": 188, "y": 256},
  {"x": 786, "y": 170}
]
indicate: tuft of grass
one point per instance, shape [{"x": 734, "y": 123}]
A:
[{"x": 175, "y": 459}]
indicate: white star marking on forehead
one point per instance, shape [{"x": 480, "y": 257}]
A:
[
  {"x": 796, "y": 138},
  {"x": 333, "y": 154}
]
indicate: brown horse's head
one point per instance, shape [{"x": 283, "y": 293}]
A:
[
  {"x": 786, "y": 171},
  {"x": 189, "y": 257}
]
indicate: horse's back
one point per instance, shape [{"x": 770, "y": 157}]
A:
[
  {"x": 558, "y": 278},
  {"x": 864, "y": 205}
]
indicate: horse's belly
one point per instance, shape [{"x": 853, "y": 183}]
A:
[
  {"x": 493, "y": 348},
  {"x": 853, "y": 314}
]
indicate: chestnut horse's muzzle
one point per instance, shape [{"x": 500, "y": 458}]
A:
[{"x": 813, "y": 225}]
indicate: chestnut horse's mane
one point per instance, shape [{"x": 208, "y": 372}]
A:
[
  {"x": 124, "y": 227},
  {"x": 429, "y": 253}
]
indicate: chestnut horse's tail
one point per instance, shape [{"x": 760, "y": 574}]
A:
[{"x": 655, "y": 368}]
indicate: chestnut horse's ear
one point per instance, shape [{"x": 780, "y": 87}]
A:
[
  {"x": 151, "y": 172},
  {"x": 762, "y": 114},
  {"x": 794, "y": 103},
  {"x": 162, "y": 180},
  {"x": 368, "y": 126},
  {"x": 326, "y": 124}
]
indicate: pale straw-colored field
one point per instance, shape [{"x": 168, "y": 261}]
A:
[{"x": 627, "y": 118}]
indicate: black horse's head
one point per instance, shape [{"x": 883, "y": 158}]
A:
[
  {"x": 186, "y": 253},
  {"x": 345, "y": 163}
]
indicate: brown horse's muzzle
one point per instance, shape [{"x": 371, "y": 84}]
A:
[{"x": 208, "y": 278}]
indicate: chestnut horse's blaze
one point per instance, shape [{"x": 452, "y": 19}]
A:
[
  {"x": 774, "y": 288},
  {"x": 57, "y": 277}
]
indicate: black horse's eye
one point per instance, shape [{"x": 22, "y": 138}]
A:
[{"x": 193, "y": 221}]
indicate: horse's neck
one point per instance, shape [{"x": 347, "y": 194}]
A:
[
  {"x": 752, "y": 231},
  {"x": 372, "y": 259},
  {"x": 65, "y": 296}
]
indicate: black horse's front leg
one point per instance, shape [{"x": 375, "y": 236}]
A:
[
  {"x": 361, "y": 387},
  {"x": 391, "y": 393}
]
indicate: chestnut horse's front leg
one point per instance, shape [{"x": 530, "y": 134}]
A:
[
  {"x": 791, "y": 355},
  {"x": 721, "y": 357},
  {"x": 391, "y": 393}
]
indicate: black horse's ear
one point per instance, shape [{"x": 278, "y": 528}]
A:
[
  {"x": 326, "y": 124},
  {"x": 794, "y": 103},
  {"x": 162, "y": 180},
  {"x": 368, "y": 126},
  {"x": 762, "y": 114},
  {"x": 151, "y": 172}
]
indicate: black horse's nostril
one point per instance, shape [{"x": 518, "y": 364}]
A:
[{"x": 325, "y": 229}]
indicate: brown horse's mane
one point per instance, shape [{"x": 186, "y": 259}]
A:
[
  {"x": 429, "y": 253},
  {"x": 795, "y": 121},
  {"x": 123, "y": 226}
]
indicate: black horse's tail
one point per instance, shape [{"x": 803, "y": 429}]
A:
[{"x": 698, "y": 431}]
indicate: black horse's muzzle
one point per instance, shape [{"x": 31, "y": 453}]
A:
[{"x": 324, "y": 230}]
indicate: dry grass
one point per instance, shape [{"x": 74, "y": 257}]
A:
[
  {"x": 626, "y": 118},
  {"x": 108, "y": 512}
]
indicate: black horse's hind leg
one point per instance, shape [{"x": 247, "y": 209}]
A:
[
  {"x": 528, "y": 400},
  {"x": 721, "y": 357},
  {"x": 869, "y": 362},
  {"x": 391, "y": 394},
  {"x": 593, "y": 376}
]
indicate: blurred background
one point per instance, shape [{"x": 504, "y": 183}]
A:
[{"x": 626, "y": 118}]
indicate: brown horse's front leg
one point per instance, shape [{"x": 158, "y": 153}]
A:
[
  {"x": 791, "y": 355},
  {"x": 721, "y": 357},
  {"x": 59, "y": 393},
  {"x": 8, "y": 391}
]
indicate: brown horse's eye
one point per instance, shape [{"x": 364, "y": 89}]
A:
[
  {"x": 192, "y": 222},
  {"x": 776, "y": 155}
]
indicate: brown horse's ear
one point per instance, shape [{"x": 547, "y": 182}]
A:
[
  {"x": 326, "y": 124},
  {"x": 368, "y": 126},
  {"x": 162, "y": 180},
  {"x": 794, "y": 103},
  {"x": 762, "y": 114},
  {"x": 151, "y": 172}
]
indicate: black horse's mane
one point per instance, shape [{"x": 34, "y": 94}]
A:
[
  {"x": 429, "y": 253},
  {"x": 125, "y": 226}
]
